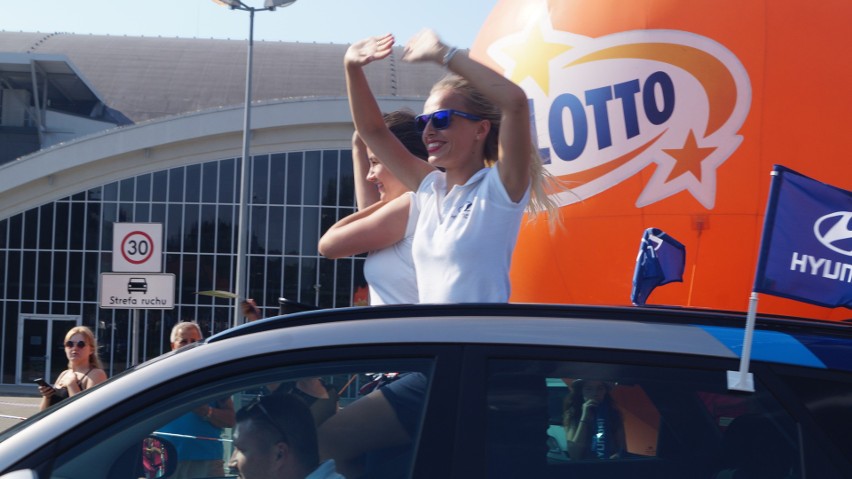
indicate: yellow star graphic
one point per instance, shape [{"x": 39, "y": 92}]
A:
[
  {"x": 532, "y": 57},
  {"x": 689, "y": 158}
]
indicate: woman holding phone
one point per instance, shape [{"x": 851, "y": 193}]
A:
[{"x": 84, "y": 368}]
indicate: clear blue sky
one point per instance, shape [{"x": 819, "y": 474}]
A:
[{"x": 320, "y": 21}]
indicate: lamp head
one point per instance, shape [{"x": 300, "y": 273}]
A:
[
  {"x": 273, "y": 4},
  {"x": 228, "y": 3}
]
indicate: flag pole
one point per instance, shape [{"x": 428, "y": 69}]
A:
[{"x": 743, "y": 380}]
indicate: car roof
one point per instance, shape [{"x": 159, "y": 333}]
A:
[
  {"x": 652, "y": 313},
  {"x": 781, "y": 339}
]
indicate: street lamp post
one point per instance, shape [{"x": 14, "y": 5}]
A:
[{"x": 242, "y": 227}]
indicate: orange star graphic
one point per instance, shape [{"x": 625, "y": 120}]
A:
[
  {"x": 532, "y": 57},
  {"x": 688, "y": 159}
]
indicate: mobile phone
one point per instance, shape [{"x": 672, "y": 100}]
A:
[{"x": 41, "y": 382}]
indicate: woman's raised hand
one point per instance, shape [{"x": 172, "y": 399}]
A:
[
  {"x": 424, "y": 46},
  {"x": 369, "y": 50},
  {"x": 589, "y": 407}
]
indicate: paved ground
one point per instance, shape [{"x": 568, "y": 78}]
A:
[{"x": 13, "y": 409}]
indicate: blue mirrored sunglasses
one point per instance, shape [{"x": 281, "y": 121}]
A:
[{"x": 440, "y": 119}]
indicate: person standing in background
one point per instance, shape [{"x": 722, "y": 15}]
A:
[
  {"x": 201, "y": 454},
  {"x": 84, "y": 368}
]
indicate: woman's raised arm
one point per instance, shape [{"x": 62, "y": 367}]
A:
[
  {"x": 366, "y": 193},
  {"x": 368, "y": 117},
  {"x": 515, "y": 138},
  {"x": 376, "y": 227}
]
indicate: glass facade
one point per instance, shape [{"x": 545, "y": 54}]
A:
[{"x": 52, "y": 255}]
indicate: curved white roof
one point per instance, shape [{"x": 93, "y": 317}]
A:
[
  {"x": 187, "y": 97},
  {"x": 153, "y": 77}
]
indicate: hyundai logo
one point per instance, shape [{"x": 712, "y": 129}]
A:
[{"x": 834, "y": 231}]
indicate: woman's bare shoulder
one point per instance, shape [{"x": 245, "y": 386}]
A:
[{"x": 97, "y": 375}]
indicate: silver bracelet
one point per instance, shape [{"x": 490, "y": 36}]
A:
[{"x": 451, "y": 52}]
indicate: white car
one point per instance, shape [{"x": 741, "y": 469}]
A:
[{"x": 497, "y": 377}]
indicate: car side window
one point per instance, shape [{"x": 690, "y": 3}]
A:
[
  {"x": 573, "y": 419},
  {"x": 366, "y": 415},
  {"x": 828, "y": 398}
]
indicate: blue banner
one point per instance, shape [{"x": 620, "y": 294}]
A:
[
  {"x": 661, "y": 260},
  {"x": 806, "y": 247}
]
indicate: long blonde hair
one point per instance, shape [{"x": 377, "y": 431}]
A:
[
  {"x": 541, "y": 181},
  {"x": 94, "y": 359}
]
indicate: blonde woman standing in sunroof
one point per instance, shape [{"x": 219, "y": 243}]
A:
[{"x": 476, "y": 128}]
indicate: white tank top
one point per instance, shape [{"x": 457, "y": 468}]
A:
[{"x": 390, "y": 271}]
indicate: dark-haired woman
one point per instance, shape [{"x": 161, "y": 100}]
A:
[
  {"x": 594, "y": 426},
  {"x": 384, "y": 224}
]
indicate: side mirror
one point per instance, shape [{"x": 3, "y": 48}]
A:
[{"x": 158, "y": 458}]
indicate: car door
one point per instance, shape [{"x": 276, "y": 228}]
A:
[{"x": 117, "y": 442}]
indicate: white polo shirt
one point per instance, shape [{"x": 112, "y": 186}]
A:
[{"x": 464, "y": 239}]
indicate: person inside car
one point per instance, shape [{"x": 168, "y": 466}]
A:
[
  {"x": 275, "y": 437},
  {"x": 373, "y": 436},
  {"x": 594, "y": 427},
  {"x": 84, "y": 368}
]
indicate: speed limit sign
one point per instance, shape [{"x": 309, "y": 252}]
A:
[{"x": 137, "y": 247}]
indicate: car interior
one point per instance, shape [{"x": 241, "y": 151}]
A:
[
  {"x": 131, "y": 440},
  {"x": 678, "y": 423}
]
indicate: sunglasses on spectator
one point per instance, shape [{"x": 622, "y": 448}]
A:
[
  {"x": 440, "y": 119},
  {"x": 257, "y": 404},
  {"x": 71, "y": 344}
]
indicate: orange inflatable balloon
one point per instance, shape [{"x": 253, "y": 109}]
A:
[{"x": 671, "y": 114}]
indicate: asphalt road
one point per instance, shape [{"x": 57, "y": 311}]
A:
[{"x": 14, "y": 409}]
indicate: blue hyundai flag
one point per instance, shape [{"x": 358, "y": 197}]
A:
[
  {"x": 806, "y": 247},
  {"x": 661, "y": 260}
]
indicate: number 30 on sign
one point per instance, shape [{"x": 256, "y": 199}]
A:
[{"x": 137, "y": 247}]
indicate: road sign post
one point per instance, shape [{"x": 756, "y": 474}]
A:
[{"x": 137, "y": 249}]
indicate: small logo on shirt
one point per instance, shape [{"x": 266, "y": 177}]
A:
[{"x": 464, "y": 210}]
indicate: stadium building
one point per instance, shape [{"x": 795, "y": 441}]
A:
[{"x": 96, "y": 130}]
